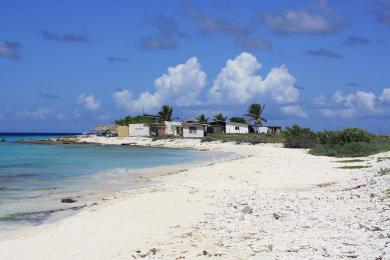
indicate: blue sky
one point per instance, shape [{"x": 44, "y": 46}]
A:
[{"x": 67, "y": 65}]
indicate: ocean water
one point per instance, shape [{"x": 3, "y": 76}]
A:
[{"x": 35, "y": 177}]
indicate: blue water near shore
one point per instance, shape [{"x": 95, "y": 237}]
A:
[{"x": 35, "y": 177}]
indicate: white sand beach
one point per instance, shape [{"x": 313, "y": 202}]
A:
[{"x": 268, "y": 203}]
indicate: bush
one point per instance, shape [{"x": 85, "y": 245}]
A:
[
  {"x": 348, "y": 135},
  {"x": 244, "y": 138},
  {"x": 353, "y": 149},
  {"x": 297, "y": 137}
]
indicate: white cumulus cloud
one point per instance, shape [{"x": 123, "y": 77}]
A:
[
  {"x": 385, "y": 97},
  {"x": 89, "y": 102},
  {"x": 39, "y": 114},
  {"x": 358, "y": 104},
  {"x": 294, "y": 111},
  {"x": 238, "y": 82},
  {"x": 180, "y": 85}
]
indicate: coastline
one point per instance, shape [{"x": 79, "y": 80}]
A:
[{"x": 265, "y": 202}]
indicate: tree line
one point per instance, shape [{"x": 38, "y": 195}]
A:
[{"x": 254, "y": 114}]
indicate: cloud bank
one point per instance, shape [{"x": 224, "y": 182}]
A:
[
  {"x": 360, "y": 104},
  {"x": 238, "y": 82}
]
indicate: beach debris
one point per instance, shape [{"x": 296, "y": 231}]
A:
[
  {"x": 247, "y": 210},
  {"x": 68, "y": 200},
  {"x": 204, "y": 252},
  {"x": 152, "y": 251},
  {"x": 276, "y": 216}
]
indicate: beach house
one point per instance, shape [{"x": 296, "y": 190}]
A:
[
  {"x": 123, "y": 130},
  {"x": 236, "y": 128},
  {"x": 194, "y": 129},
  {"x": 216, "y": 127},
  {"x": 266, "y": 129},
  {"x": 173, "y": 128},
  {"x": 140, "y": 130}
]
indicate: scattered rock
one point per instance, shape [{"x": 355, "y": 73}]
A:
[
  {"x": 247, "y": 210},
  {"x": 276, "y": 216},
  {"x": 68, "y": 200},
  {"x": 152, "y": 251}
]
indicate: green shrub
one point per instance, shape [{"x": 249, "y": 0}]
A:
[
  {"x": 347, "y": 135},
  {"x": 353, "y": 149},
  {"x": 298, "y": 137},
  {"x": 244, "y": 138}
]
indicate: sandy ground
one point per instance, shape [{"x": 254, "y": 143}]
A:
[{"x": 269, "y": 203}]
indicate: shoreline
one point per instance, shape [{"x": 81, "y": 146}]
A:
[
  {"x": 268, "y": 202},
  {"x": 147, "y": 174}
]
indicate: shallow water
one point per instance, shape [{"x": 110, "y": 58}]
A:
[{"x": 35, "y": 177}]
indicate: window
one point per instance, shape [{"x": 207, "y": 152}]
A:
[
  {"x": 192, "y": 130},
  {"x": 237, "y": 128}
]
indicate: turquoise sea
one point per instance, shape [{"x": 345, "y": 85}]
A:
[{"x": 35, "y": 177}]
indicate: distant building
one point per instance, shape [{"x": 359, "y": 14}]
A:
[
  {"x": 194, "y": 129},
  {"x": 236, "y": 128},
  {"x": 216, "y": 127},
  {"x": 140, "y": 130},
  {"x": 274, "y": 129},
  {"x": 266, "y": 129},
  {"x": 123, "y": 130},
  {"x": 173, "y": 128}
]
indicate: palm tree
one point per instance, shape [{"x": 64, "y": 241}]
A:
[
  {"x": 165, "y": 113},
  {"x": 219, "y": 117},
  {"x": 255, "y": 111},
  {"x": 236, "y": 119},
  {"x": 202, "y": 118}
]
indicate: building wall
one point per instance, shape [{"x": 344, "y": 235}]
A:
[
  {"x": 123, "y": 130},
  {"x": 170, "y": 127},
  {"x": 231, "y": 129},
  {"x": 261, "y": 130},
  {"x": 139, "y": 130},
  {"x": 189, "y": 134}
]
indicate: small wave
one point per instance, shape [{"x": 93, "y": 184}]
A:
[
  {"x": 35, "y": 217},
  {"x": 3, "y": 188}
]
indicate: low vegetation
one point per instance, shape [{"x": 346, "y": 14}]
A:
[
  {"x": 347, "y": 135},
  {"x": 353, "y": 149},
  {"x": 244, "y": 138},
  {"x": 351, "y": 167},
  {"x": 349, "y": 142},
  {"x": 135, "y": 120},
  {"x": 298, "y": 137}
]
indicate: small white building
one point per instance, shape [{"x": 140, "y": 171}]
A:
[
  {"x": 139, "y": 130},
  {"x": 193, "y": 130},
  {"x": 262, "y": 130},
  {"x": 236, "y": 128},
  {"x": 267, "y": 129},
  {"x": 173, "y": 128}
]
